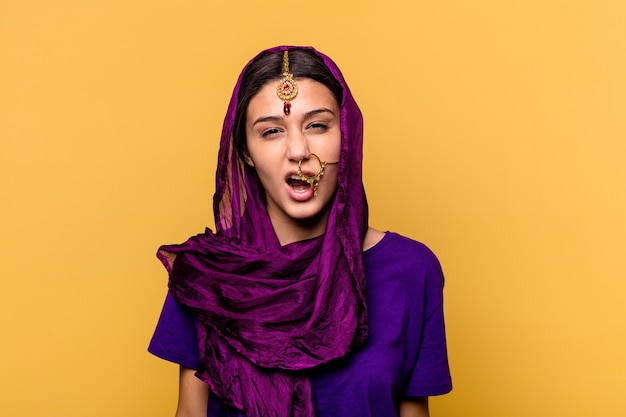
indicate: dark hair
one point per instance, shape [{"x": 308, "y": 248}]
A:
[{"x": 303, "y": 63}]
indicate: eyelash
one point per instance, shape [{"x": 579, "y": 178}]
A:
[
  {"x": 319, "y": 126},
  {"x": 270, "y": 132},
  {"x": 274, "y": 131}
]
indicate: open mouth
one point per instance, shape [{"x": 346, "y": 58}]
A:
[{"x": 297, "y": 183}]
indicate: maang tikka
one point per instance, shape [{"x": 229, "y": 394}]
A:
[{"x": 287, "y": 88}]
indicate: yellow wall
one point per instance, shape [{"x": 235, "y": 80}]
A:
[{"x": 495, "y": 133}]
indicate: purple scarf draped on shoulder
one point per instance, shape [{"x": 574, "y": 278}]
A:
[{"x": 267, "y": 312}]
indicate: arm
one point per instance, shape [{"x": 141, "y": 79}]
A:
[
  {"x": 415, "y": 407},
  {"x": 193, "y": 395}
]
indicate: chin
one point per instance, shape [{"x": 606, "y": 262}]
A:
[
  {"x": 307, "y": 214},
  {"x": 313, "y": 213}
]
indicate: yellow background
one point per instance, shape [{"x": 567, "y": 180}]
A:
[{"x": 495, "y": 133}]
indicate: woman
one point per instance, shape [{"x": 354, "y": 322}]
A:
[{"x": 270, "y": 315}]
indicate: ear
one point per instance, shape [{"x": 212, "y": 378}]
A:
[{"x": 248, "y": 159}]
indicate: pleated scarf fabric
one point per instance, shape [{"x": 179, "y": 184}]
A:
[{"x": 266, "y": 313}]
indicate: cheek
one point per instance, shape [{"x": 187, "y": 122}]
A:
[
  {"x": 265, "y": 168},
  {"x": 337, "y": 148}
]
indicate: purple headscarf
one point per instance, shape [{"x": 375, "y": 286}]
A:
[{"x": 267, "y": 312}]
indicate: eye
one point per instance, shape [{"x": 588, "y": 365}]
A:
[
  {"x": 268, "y": 133},
  {"x": 320, "y": 126}
]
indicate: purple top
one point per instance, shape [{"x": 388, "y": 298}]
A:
[{"x": 405, "y": 353}]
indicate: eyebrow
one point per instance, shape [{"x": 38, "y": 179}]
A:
[
  {"x": 267, "y": 119},
  {"x": 318, "y": 111},
  {"x": 307, "y": 115}
]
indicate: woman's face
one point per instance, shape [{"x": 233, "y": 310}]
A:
[{"x": 277, "y": 142}]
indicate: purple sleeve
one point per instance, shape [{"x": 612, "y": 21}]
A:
[
  {"x": 175, "y": 336},
  {"x": 431, "y": 372}
]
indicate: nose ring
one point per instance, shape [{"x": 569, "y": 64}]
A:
[{"x": 313, "y": 180}]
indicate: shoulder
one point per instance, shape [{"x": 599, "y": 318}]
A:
[
  {"x": 372, "y": 237},
  {"x": 405, "y": 273},
  {"x": 400, "y": 256},
  {"x": 391, "y": 244}
]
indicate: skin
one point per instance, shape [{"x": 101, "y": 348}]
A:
[
  {"x": 193, "y": 395},
  {"x": 275, "y": 143}
]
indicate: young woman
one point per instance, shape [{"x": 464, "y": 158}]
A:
[{"x": 295, "y": 307}]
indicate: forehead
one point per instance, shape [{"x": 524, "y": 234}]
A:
[{"x": 311, "y": 95}]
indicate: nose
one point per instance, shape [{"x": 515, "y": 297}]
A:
[{"x": 297, "y": 146}]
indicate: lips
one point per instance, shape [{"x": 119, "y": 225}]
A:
[
  {"x": 298, "y": 189},
  {"x": 297, "y": 183}
]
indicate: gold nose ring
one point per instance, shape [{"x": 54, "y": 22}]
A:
[{"x": 314, "y": 180}]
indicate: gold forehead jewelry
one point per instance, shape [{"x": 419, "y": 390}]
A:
[
  {"x": 315, "y": 179},
  {"x": 287, "y": 88}
]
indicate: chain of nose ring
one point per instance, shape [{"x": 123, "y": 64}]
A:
[{"x": 314, "y": 180}]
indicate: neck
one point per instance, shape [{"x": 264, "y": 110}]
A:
[{"x": 294, "y": 230}]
